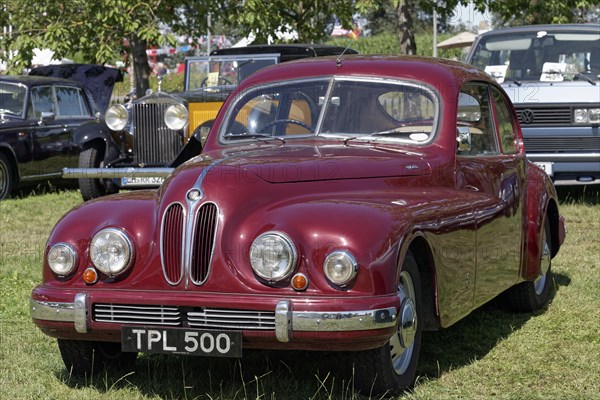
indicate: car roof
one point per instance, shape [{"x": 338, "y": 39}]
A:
[
  {"x": 437, "y": 72},
  {"x": 288, "y": 52},
  {"x": 29, "y": 80},
  {"x": 593, "y": 28}
]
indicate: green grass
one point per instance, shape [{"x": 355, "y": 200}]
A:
[{"x": 554, "y": 354}]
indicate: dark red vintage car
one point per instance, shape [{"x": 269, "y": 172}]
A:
[{"x": 340, "y": 204}]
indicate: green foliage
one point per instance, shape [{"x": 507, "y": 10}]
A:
[{"x": 525, "y": 12}]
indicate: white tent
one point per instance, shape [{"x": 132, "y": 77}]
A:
[{"x": 463, "y": 39}]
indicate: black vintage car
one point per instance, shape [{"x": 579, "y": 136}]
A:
[
  {"x": 39, "y": 115},
  {"x": 139, "y": 143}
]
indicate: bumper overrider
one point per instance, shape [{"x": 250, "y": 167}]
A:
[{"x": 371, "y": 327}]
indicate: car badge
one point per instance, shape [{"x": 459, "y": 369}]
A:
[{"x": 194, "y": 195}]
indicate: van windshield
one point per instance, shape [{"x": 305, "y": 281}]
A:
[{"x": 540, "y": 56}]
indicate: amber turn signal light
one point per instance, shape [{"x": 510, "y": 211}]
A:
[
  {"x": 90, "y": 276},
  {"x": 299, "y": 282}
]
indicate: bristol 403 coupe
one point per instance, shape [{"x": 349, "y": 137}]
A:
[{"x": 344, "y": 203}]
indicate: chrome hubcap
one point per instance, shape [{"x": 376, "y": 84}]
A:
[
  {"x": 540, "y": 281},
  {"x": 402, "y": 343}
]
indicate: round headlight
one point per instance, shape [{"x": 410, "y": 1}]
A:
[
  {"x": 176, "y": 116},
  {"x": 340, "y": 267},
  {"x": 62, "y": 259},
  {"x": 111, "y": 251},
  {"x": 273, "y": 256},
  {"x": 116, "y": 117}
]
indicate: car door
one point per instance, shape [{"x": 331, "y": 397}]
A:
[
  {"x": 50, "y": 140},
  {"x": 492, "y": 181}
]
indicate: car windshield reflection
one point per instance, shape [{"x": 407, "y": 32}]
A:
[{"x": 361, "y": 109}]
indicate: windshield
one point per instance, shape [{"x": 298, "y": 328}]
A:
[
  {"x": 12, "y": 99},
  {"x": 206, "y": 72},
  {"x": 348, "y": 108},
  {"x": 540, "y": 56}
]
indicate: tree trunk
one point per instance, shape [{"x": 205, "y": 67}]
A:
[
  {"x": 405, "y": 30},
  {"x": 139, "y": 65}
]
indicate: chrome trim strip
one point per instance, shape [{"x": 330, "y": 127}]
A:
[
  {"x": 283, "y": 321},
  {"x": 162, "y": 230},
  {"x": 592, "y": 157},
  {"x": 76, "y": 312},
  {"x": 111, "y": 173}
]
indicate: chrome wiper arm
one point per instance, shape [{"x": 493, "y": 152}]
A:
[
  {"x": 585, "y": 78},
  {"x": 393, "y": 132},
  {"x": 247, "y": 135}
]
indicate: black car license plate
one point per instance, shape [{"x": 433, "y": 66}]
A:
[{"x": 194, "y": 342}]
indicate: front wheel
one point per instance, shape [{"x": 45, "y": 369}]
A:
[
  {"x": 91, "y": 188},
  {"x": 6, "y": 177},
  {"x": 85, "y": 358},
  {"x": 392, "y": 368}
]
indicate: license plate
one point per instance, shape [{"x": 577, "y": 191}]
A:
[
  {"x": 546, "y": 166},
  {"x": 195, "y": 342},
  {"x": 142, "y": 181}
]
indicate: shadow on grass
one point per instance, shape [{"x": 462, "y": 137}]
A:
[
  {"x": 299, "y": 374},
  {"x": 584, "y": 194},
  {"x": 38, "y": 189},
  {"x": 473, "y": 337}
]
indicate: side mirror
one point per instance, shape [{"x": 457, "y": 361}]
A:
[
  {"x": 46, "y": 117},
  {"x": 463, "y": 139}
]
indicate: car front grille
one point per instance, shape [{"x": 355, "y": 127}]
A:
[
  {"x": 202, "y": 318},
  {"x": 178, "y": 254},
  {"x": 153, "y": 143},
  {"x": 562, "y": 144}
]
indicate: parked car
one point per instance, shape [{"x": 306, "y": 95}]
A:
[
  {"x": 340, "y": 203},
  {"x": 139, "y": 143},
  {"x": 552, "y": 75},
  {"x": 38, "y": 115}
]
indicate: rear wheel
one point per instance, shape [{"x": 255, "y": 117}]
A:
[
  {"x": 391, "y": 368},
  {"x": 91, "y": 188},
  {"x": 7, "y": 177},
  {"x": 84, "y": 358},
  {"x": 531, "y": 296}
]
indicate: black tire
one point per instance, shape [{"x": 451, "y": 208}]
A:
[
  {"x": 392, "y": 368},
  {"x": 85, "y": 358},
  {"x": 531, "y": 296},
  {"x": 90, "y": 188},
  {"x": 7, "y": 177}
]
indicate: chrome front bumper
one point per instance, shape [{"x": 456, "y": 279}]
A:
[
  {"x": 112, "y": 173},
  {"x": 287, "y": 321}
]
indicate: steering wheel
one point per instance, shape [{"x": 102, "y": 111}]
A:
[
  {"x": 221, "y": 81},
  {"x": 286, "y": 121}
]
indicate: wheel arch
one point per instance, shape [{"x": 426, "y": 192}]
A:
[
  {"x": 421, "y": 251},
  {"x": 553, "y": 218}
]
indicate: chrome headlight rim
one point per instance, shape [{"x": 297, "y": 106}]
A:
[
  {"x": 116, "y": 117},
  {"x": 352, "y": 264},
  {"x": 176, "y": 116},
  {"x": 291, "y": 264},
  {"x": 72, "y": 253},
  {"x": 121, "y": 234}
]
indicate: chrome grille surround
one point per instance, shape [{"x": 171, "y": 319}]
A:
[
  {"x": 201, "y": 318},
  {"x": 171, "y": 243},
  {"x": 188, "y": 237},
  {"x": 153, "y": 142}
]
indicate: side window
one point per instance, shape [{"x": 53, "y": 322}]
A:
[
  {"x": 42, "y": 101},
  {"x": 506, "y": 123},
  {"x": 475, "y": 114},
  {"x": 70, "y": 102}
]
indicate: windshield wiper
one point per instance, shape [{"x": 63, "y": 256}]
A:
[
  {"x": 394, "y": 132},
  {"x": 585, "y": 78},
  {"x": 246, "y": 135}
]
